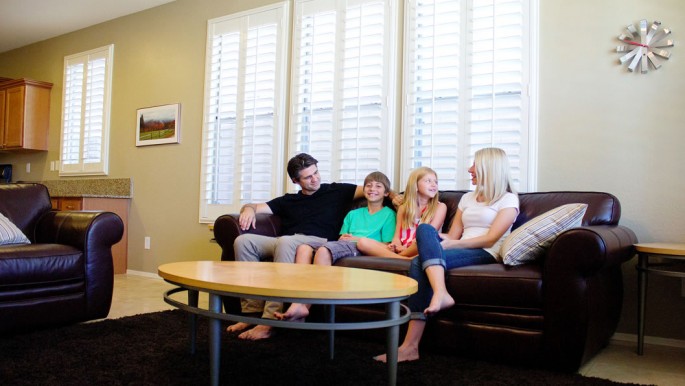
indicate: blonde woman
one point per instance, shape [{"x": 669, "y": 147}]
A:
[
  {"x": 483, "y": 219},
  {"x": 420, "y": 206}
]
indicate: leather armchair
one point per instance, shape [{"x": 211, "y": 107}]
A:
[{"x": 66, "y": 274}]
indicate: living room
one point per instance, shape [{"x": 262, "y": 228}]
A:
[{"x": 600, "y": 128}]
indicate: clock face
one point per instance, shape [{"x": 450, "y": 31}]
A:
[{"x": 645, "y": 46}]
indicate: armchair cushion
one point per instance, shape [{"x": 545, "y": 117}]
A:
[
  {"x": 10, "y": 234},
  {"x": 529, "y": 241}
]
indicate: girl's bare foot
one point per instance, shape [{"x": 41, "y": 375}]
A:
[
  {"x": 404, "y": 354},
  {"x": 440, "y": 301},
  {"x": 237, "y": 327},
  {"x": 296, "y": 312}
]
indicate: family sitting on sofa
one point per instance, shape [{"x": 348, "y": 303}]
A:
[{"x": 306, "y": 227}]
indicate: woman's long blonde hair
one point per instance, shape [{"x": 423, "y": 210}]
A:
[
  {"x": 411, "y": 197},
  {"x": 493, "y": 179}
]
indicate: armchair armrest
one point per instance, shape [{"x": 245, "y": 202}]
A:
[
  {"x": 94, "y": 233},
  {"x": 227, "y": 229},
  {"x": 583, "y": 287}
]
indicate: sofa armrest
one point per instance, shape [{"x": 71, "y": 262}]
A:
[
  {"x": 583, "y": 291},
  {"x": 227, "y": 229},
  {"x": 94, "y": 233},
  {"x": 586, "y": 250}
]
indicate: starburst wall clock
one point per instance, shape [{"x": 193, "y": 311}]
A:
[{"x": 644, "y": 46}]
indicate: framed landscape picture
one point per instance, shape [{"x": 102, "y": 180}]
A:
[{"x": 158, "y": 125}]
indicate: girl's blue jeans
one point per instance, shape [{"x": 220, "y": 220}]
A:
[{"x": 432, "y": 253}]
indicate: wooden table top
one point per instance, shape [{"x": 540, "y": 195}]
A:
[
  {"x": 675, "y": 249},
  {"x": 288, "y": 280}
]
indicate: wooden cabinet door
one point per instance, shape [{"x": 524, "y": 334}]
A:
[
  {"x": 3, "y": 98},
  {"x": 14, "y": 116}
]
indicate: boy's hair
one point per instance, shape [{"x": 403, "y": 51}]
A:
[
  {"x": 378, "y": 177},
  {"x": 411, "y": 197},
  {"x": 298, "y": 163}
]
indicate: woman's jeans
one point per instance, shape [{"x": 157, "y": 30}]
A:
[{"x": 432, "y": 253}]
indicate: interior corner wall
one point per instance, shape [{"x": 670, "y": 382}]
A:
[{"x": 601, "y": 127}]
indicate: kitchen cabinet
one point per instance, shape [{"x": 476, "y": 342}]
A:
[
  {"x": 24, "y": 114},
  {"x": 119, "y": 206}
]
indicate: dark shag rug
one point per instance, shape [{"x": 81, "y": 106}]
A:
[{"x": 153, "y": 349}]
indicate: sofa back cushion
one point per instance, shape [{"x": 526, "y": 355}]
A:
[
  {"x": 24, "y": 204},
  {"x": 603, "y": 208}
]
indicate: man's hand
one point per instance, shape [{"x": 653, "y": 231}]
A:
[{"x": 248, "y": 217}]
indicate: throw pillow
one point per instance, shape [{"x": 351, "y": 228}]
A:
[
  {"x": 529, "y": 241},
  {"x": 9, "y": 233}
]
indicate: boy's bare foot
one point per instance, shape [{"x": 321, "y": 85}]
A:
[
  {"x": 237, "y": 327},
  {"x": 440, "y": 301},
  {"x": 257, "y": 332},
  {"x": 404, "y": 354},
  {"x": 296, "y": 312}
]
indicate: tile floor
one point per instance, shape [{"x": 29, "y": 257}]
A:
[{"x": 660, "y": 365}]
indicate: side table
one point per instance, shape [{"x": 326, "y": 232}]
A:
[{"x": 674, "y": 254}]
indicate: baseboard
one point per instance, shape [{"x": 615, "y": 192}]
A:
[
  {"x": 143, "y": 273},
  {"x": 655, "y": 340}
]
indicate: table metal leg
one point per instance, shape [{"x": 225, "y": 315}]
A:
[
  {"x": 642, "y": 262},
  {"x": 193, "y": 297},
  {"x": 214, "y": 339},
  {"x": 393, "y": 335},
  {"x": 331, "y": 333}
]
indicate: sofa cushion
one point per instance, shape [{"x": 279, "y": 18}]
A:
[
  {"x": 9, "y": 233},
  {"x": 528, "y": 242},
  {"x": 39, "y": 264}
]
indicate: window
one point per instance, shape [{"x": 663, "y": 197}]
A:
[
  {"x": 343, "y": 67},
  {"x": 467, "y": 76},
  {"x": 467, "y": 81},
  {"x": 244, "y": 124},
  {"x": 85, "y": 115}
]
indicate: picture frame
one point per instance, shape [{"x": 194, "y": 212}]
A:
[{"x": 158, "y": 125}]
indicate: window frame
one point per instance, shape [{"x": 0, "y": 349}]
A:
[{"x": 82, "y": 168}]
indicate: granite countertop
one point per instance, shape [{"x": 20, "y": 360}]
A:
[{"x": 100, "y": 187}]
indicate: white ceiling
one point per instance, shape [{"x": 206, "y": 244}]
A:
[{"x": 23, "y": 22}]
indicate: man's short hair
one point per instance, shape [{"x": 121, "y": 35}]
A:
[{"x": 298, "y": 163}]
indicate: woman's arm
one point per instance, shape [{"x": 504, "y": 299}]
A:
[
  {"x": 505, "y": 217},
  {"x": 456, "y": 228}
]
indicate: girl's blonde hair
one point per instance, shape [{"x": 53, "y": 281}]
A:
[
  {"x": 411, "y": 197},
  {"x": 493, "y": 178}
]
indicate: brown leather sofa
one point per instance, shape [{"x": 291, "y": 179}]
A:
[
  {"x": 556, "y": 313},
  {"x": 66, "y": 274}
]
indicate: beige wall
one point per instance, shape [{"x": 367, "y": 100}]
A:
[{"x": 600, "y": 128}]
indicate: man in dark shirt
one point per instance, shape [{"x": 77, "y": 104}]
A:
[{"x": 314, "y": 214}]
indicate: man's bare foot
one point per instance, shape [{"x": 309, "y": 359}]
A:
[
  {"x": 257, "y": 332},
  {"x": 440, "y": 301},
  {"x": 296, "y": 312},
  {"x": 237, "y": 327},
  {"x": 404, "y": 354}
]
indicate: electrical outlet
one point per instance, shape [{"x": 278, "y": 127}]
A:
[
  {"x": 28, "y": 167},
  {"x": 147, "y": 242},
  {"x": 52, "y": 166}
]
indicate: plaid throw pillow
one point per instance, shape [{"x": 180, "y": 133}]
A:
[
  {"x": 9, "y": 233},
  {"x": 529, "y": 241}
]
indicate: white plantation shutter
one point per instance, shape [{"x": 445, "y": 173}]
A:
[
  {"x": 342, "y": 72},
  {"x": 467, "y": 69},
  {"x": 85, "y": 114},
  {"x": 243, "y": 130}
]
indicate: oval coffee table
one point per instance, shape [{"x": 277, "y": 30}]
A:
[{"x": 302, "y": 283}]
